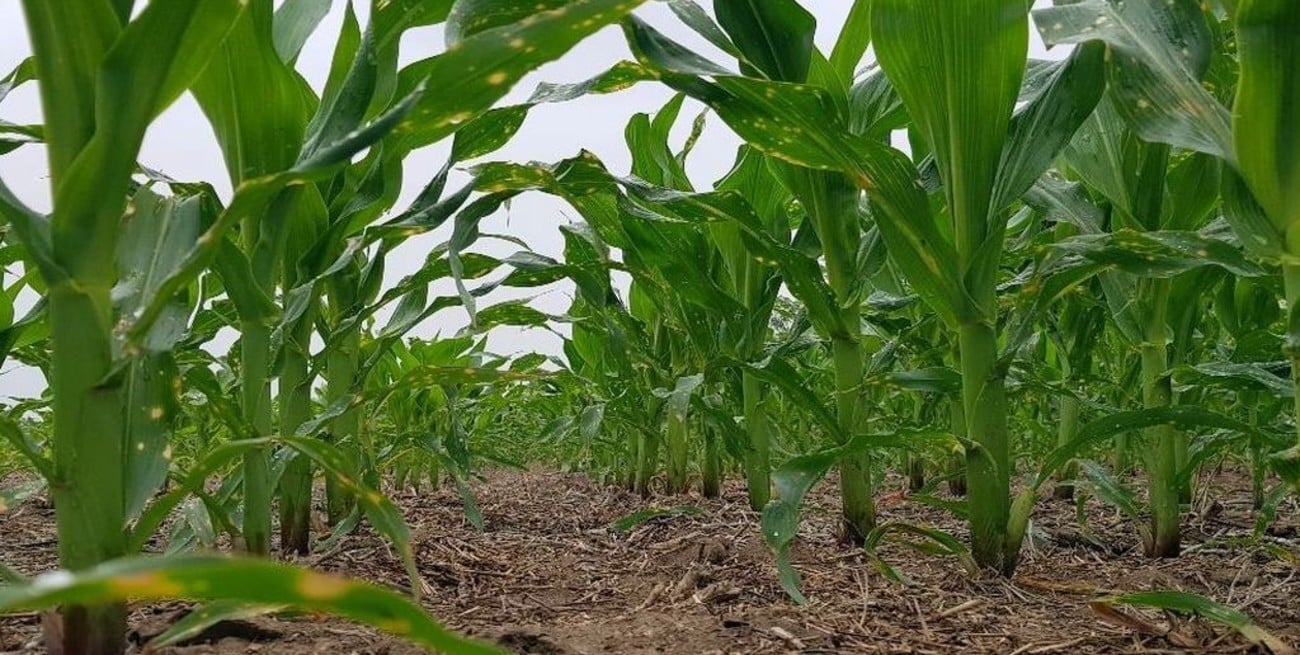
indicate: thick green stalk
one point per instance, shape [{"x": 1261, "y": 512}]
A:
[
  {"x": 758, "y": 467},
  {"x": 859, "y": 512},
  {"x": 1258, "y": 466},
  {"x": 435, "y": 475},
  {"x": 711, "y": 475},
  {"x": 1291, "y": 283},
  {"x": 89, "y": 466},
  {"x": 1123, "y": 454},
  {"x": 988, "y": 464},
  {"x": 1065, "y": 433},
  {"x": 1156, "y": 393},
  {"x": 915, "y": 462},
  {"x": 677, "y": 451},
  {"x": 647, "y": 461},
  {"x": 648, "y": 449},
  {"x": 295, "y": 409},
  {"x": 340, "y": 376},
  {"x": 632, "y": 463},
  {"x": 256, "y": 403}
]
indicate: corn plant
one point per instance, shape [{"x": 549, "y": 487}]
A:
[
  {"x": 1155, "y": 81},
  {"x": 108, "y": 366}
]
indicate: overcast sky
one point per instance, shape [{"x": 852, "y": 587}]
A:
[{"x": 181, "y": 145}]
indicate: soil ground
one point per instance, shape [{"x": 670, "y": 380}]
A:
[{"x": 548, "y": 575}]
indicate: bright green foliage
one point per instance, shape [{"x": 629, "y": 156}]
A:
[
  {"x": 1072, "y": 270},
  {"x": 202, "y": 577},
  {"x": 122, "y": 269}
]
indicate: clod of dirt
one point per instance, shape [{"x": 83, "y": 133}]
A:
[
  {"x": 713, "y": 551},
  {"x": 528, "y": 642}
]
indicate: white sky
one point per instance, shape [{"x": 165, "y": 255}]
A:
[{"x": 181, "y": 145}]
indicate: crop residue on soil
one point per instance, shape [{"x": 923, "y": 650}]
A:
[{"x": 549, "y": 575}]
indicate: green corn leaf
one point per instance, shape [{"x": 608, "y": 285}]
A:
[
  {"x": 779, "y": 372},
  {"x": 493, "y": 129},
  {"x": 933, "y": 542},
  {"x": 12, "y": 497},
  {"x": 196, "y": 622},
  {"x": 516, "y": 313},
  {"x": 1235, "y": 376},
  {"x": 800, "y": 124},
  {"x": 1193, "y": 183},
  {"x": 679, "y": 398},
  {"x": 1267, "y": 107},
  {"x": 30, "y": 450},
  {"x": 1160, "y": 254},
  {"x": 472, "y": 512},
  {"x": 941, "y": 380},
  {"x": 775, "y": 36},
  {"x": 960, "y": 102},
  {"x": 468, "y": 18},
  {"x": 207, "y": 577},
  {"x": 480, "y": 69},
  {"x": 155, "y": 59},
  {"x": 641, "y": 517},
  {"x": 1111, "y": 491},
  {"x": 1158, "y": 54},
  {"x": 1267, "y": 513},
  {"x": 33, "y": 231},
  {"x": 151, "y": 409},
  {"x": 23, "y": 73},
  {"x": 1286, "y": 464},
  {"x": 1044, "y": 127},
  {"x": 294, "y": 23},
  {"x": 875, "y": 108},
  {"x": 1180, "y": 416},
  {"x": 699, "y": 20},
  {"x": 392, "y": 18},
  {"x": 68, "y": 69},
  {"x": 10, "y": 576},
  {"x": 379, "y": 509},
  {"x": 420, "y": 377},
  {"x": 250, "y": 300},
  {"x": 158, "y": 232},
  {"x": 1249, "y": 221},
  {"x": 257, "y": 104},
  {"x": 793, "y": 480},
  {"x": 157, "y": 512},
  {"x": 254, "y": 196},
  {"x": 855, "y": 37},
  {"x": 1188, "y": 603}
]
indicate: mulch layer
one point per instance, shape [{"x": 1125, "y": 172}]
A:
[{"x": 550, "y": 575}]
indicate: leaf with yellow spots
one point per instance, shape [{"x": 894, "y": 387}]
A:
[
  {"x": 496, "y": 52},
  {"x": 493, "y": 129},
  {"x": 1158, "y": 52},
  {"x": 249, "y": 581},
  {"x": 1161, "y": 253}
]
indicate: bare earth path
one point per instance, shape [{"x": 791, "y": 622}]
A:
[{"x": 549, "y": 575}]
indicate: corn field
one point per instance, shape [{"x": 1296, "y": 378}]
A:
[{"x": 940, "y": 272}]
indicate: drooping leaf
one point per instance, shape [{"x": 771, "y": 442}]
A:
[
  {"x": 256, "y": 581},
  {"x": 1188, "y": 603},
  {"x": 1159, "y": 52}
]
